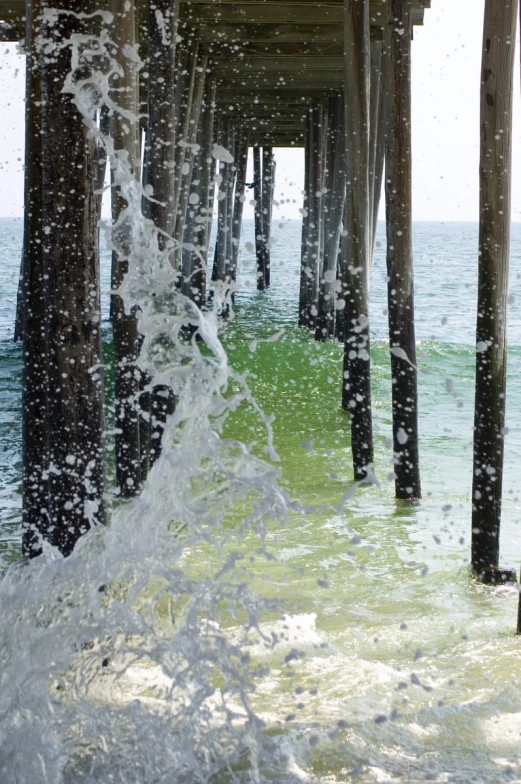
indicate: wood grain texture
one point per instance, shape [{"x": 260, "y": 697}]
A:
[{"x": 494, "y": 248}]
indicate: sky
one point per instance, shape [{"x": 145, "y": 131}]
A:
[{"x": 446, "y": 82}]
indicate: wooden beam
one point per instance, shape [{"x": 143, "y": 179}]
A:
[
  {"x": 226, "y": 180},
  {"x": 247, "y": 32},
  {"x": 199, "y": 69},
  {"x": 71, "y": 273},
  {"x": 333, "y": 219},
  {"x": 206, "y": 190},
  {"x": 260, "y": 247},
  {"x": 280, "y": 83},
  {"x": 267, "y": 13},
  {"x": 126, "y": 340},
  {"x": 497, "y": 67},
  {"x": 35, "y": 424},
  {"x": 186, "y": 58},
  {"x": 246, "y": 15},
  {"x": 311, "y": 236},
  {"x": 241, "y": 162},
  {"x": 356, "y": 393},
  {"x": 262, "y": 97},
  {"x": 280, "y": 64},
  {"x": 279, "y": 141},
  {"x": 161, "y": 116},
  {"x": 400, "y": 275},
  {"x": 241, "y": 53},
  {"x": 266, "y": 206}
]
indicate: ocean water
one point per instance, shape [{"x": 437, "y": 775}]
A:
[{"x": 391, "y": 664}]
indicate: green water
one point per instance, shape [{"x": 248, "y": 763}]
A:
[{"x": 393, "y": 664}]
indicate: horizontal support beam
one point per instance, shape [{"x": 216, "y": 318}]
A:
[
  {"x": 264, "y": 115},
  {"x": 279, "y": 141},
  {"x": 268, "y": 33},
  {"x": 303, "y": 82},
  {"x": 245, "y": 49},
  {"x": 276, "y": 64},
  {"x": 271, "y": 97},
  {"x": 266, "y": 13}
]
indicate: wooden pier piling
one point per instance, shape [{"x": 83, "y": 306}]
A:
[
  {"x": 35, "y": 426},
  {"x": 193, "y": 81},
  {"x": 126, "y": 339},
  {"x": 356, "y": 383},
  {"x": 223, "y": 245},
  {"x": 267, "y": 199},
  {"x": 161, "y": 121},
  {"x": 400, "y": 276},
  {"x": 241, "y": 163},
  {"x": 494, "y": 250},
  {"x": 335, "y": 201},
  {"x": 188, "y": 141},
  {"x": 260, "y": 247},
  {"x": 312, "y": 234},
  {"x": 72, "y": 305},
  {"x": 206, "y": 191}
]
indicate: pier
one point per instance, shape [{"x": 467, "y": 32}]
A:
[{"x": 198, "y": 85}]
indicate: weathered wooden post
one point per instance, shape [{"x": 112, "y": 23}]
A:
[
  {"x": 267, "y": 196},
  {"x": 379, "y": 65},
  {"x": 356, "y": 387},
  {"x": 260, "y": 246},
  {"x": 159, "y": 180},
  {"x": 35, "y": 435},
  {"x": 186, "y": 53},
  {"x": 161, "y": 125},
  {"x": 311, "y": 258},
  {"x": 241, "y": 162},
  {"x": 225, "y": 205},
  {"x": 189, "y": 140},
  {"x": 70, "y": 265},
  {"x": 231, "y": 176},
  {"x": 126, "y": 339},
  {"x": 342, "y": 279},
  {"x": 494, "y": 249},
  {"x": 302, "y": 310},
  {"x": 206, "y": 188},
  {"x": 162, "y": 405},
  {"x": 333, "y": 220},
  {"x": 400, "y": 276}
]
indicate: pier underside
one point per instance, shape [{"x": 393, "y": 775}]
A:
[{"x": 270, "y": 59}]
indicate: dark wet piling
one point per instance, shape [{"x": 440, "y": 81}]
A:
[
  {"x": 227, "y": 172},
  {"x": 241, "y": 163},
  {"x": 312, "y": 244},
  {"x": 268, "y": 184},
  {"x": 188, "y": 144},
  {"x": 494, "y": 249},
  {"x": 400, "y": 275},
  {"x": 72, "y": 326},
  {"x": 333, "y": 218},
  {"x": 260, "y": 246},
  {"x": 356, "y": 382},
  {"x": 126, "y": 339},
  {"x": 35, "y": 426},
  {"x": 206, "y": 191}
]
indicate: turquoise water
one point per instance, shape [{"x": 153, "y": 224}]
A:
[{"x": 394, "y": 665}]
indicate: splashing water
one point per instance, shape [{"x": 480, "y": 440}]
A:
[{"x": 115, "y": 663}]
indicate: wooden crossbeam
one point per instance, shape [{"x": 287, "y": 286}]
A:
[
  {"x": 289, "y": 49},
  {"x": 270, "y": 33},
  {"x": 260, "y": 64}
]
